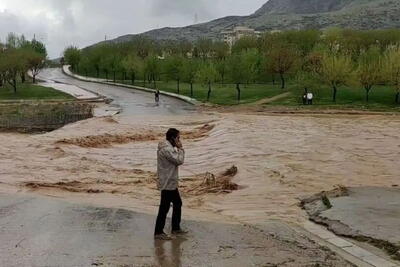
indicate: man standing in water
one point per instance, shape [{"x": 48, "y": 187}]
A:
[{"x": 170, "y": 156}]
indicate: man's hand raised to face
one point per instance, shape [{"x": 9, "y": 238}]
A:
[{"x": 178, "y": 143}]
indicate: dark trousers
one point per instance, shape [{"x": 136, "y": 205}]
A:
[{"x": 168, "y": 197}]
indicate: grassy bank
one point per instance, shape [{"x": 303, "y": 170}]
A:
[
  {"x": 29, "y": 91},
  {"x": 224, "y": 94},
  {"x": 381, "y": 98}
]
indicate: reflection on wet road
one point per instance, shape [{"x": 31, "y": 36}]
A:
[
  {"x": 41, "y": 231},
  {"x": 132, "y": 102}
]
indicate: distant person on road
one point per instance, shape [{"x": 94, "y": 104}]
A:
[
  {"x": 310, "y": 97},
  {"x": 170, "y": 156},
  {"x": 157, "y": 97}
]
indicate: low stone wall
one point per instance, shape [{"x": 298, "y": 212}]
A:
[{"x": 42, "y": 116}]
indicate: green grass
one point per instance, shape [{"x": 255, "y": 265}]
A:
[
  {"x": 223, "y": 94},
  {"x": 29, "y": 91},
  {"x": 381, "y": 98}
]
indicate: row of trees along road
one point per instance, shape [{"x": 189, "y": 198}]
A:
[
  {"x": 337, "y": 58},
  {"x": 17, "y": 57}
]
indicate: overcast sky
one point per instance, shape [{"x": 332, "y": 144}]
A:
[{"x": 59, "y": 23}]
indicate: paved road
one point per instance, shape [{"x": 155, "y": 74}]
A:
[
  {"x": 43, "y": 231},
  {"x": 131, "y": 101}
]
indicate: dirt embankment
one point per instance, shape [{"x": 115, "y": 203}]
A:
[{"x": 34, "y": 116}]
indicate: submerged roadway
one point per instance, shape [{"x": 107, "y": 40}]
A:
[{"x": 45, "y": 231}]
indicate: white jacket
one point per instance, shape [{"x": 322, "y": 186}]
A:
[{"x": 168, "y": 160}]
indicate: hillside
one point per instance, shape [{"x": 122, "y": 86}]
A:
[{"x": 293, "y": 14}]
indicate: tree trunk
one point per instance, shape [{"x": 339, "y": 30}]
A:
[
  {"x": 144, "y": 80},
  {"x": 133, "y": 78},
  {"x": 178, "y": 86},
  {"x": 191, "y": 90},
  {"x": 238, "y": 92},
  {"x": 124, "y": 76},
  {"x": 397, "y": 99},
  {"x": 23, "y": 77},
  {"x": 209, "y": 91},
  {"x": 15, "y": 85},
  {"x": 334, "y": 93},
  {"x": 33, "y": 79},
  {"x": 273, "y": 79},
  {"x": 282, "y": 80},
  {"x": 367, "y": 94}
]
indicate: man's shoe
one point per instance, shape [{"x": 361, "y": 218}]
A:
[
  {"x": 163, "y": 236},
  {"x": 179, "y": 232}
]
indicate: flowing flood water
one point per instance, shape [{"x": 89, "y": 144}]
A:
[{"x": 111, "y": 161}]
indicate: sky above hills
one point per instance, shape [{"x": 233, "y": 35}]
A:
[{"x": 59, "y": 23}]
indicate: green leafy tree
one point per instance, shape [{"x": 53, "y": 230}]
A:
[
  {"x": 207, "y": 75},
  {"x": 131, "y": 64},
  {"x": 204, "y": 48},
  {"x": 38, "y": 47},
  {"x": 238, "y": 72},
  {"x": 391, "y": 70},
  {"x": 72, "y": 56},
  {"x": 95, "y": 57},
  {"x": 36, "y": 62},
  {"x": 245, "y": 43},
  {"x": 222, "y": 68},
  {"x": 173, "y": 69},
  {"x": 12, "y": 63},
  {"x": 369, "y": 70},
  {"x": 189, "y": 71},
  {"x": 252, "y": 62},
  {"x": 85, "y": 65},
  {"x": 336, "y": 70},
  {"x": 282, "y": 59},
  {"x": 152, "y": 68},
  {"x": 221, "y": 50}
]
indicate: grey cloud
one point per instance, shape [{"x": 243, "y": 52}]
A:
[
  {"x": 183, "y": 7},
  {"x": 60, "y": 23}
]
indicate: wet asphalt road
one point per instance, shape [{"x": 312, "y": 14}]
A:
[
  {"x": 44, "y": 231},
  {"x": 132, "y": 102}
]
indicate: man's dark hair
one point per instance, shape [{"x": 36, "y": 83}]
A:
[{"x": 172, "y": 134}]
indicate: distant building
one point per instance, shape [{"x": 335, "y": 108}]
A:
[{"x": 231, "y": 37}]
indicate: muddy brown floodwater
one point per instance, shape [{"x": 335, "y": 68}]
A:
[{"x": 111, "y": 161}]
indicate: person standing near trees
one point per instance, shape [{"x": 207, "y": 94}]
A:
[
  {"x": 157, "y": 97},
  {"x": 310, "y": 97},
  {"x": 170, "y": 156}
]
